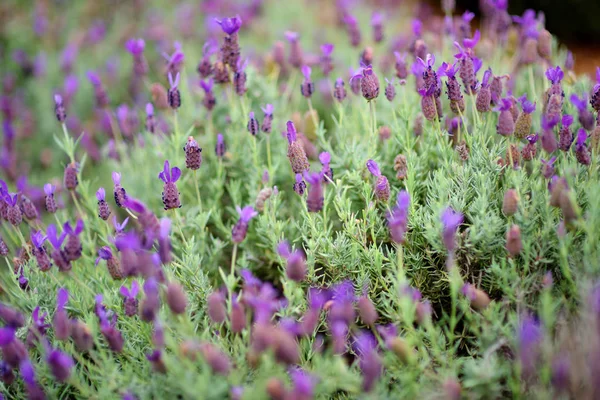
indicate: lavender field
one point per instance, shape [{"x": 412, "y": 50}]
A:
[{"x": 295, "y": 200}]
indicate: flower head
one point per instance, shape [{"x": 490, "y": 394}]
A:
[
  {"x": 450, "y": 221},
  {"x": 527, "y": 106},
  {"x": 135, "y": 46},
  {"x": 555, "y": 75},
  {"x": 230, "y": 25},
  {"x": 169, "y": 174},
  {"x": 327, "y": 49},
  {"x": 579, "y": 102},
  {"x": 101, "y": 194},
  {"x": 173, "y": 82}
]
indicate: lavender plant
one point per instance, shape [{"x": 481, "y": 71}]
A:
[{"x": 256, "y": 272}]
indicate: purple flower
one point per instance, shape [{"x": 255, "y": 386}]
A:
[
  {"x": 135, "y": 46},
  {"x": 60, "y": 321},
  {"x": 173, "y": 94},
  {"x": 220, "y": 146},
  {"x": 240, "y": 229},
  {"x": 60, "y": 364},
  {"x": 529, "y": 337},
  {"x": 327, "y": 49},
  {"x": 303, "y": 384},
  {"x": 120, "y": 227},
  {"x": 37, "y": 239},
  {"x": 296, "y": 263},
  {"x": 169, "y": 174},
  {"x": 451, "y": 220},
  {"x": 230, "y": 25},
  {"x": 398, "y": 217},
  {"x": 382, "y": 186},
  {"x": 53, "y": 239},
  {"x": 369, "y": 361},
  {"x": 314, "y": 199},
  {"x": 579, "y": 102},
  {"x": 527, "y": 106},
  {"x": 548, "y": 167},
  {"x": 555, "y": 75}
]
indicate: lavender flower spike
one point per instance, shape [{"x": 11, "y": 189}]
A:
[
  {"x": 398, "y": 217},
  {"x": 450, "y": 221},
  {"x": 230, "y": 25},
  {"x": 382, "y": 186},
  {"x": 586, "y": 118},
  {"x": 170, "y": 194},
  {"x": 50, "y": 202},
  {"x": 173, "y": 95},
  {"x": 103, "y": 209},
  {"x": 267, "y": 119},
  {"x": 307, "y": 87},
  {"x": 240, "y": 229}
]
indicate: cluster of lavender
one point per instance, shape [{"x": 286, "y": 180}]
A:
[{"x": 367, "y": 293}]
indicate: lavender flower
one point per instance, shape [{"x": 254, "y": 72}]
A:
[
  {"x": 549, "y": 143},
  {"x": 400, "y": 66},
  {"x": 164, "y": 243},
  {"x": 175, "y": 60},
  {"x": 240, "y": 229},
  {"x": 239, "y": 78},
  {"x": 339, "y": 91},
  {"x": 176, "y": 298},
  {"x": 457, "y": 103},
  {"x": 513, "y": 241},
  {"x": 38, "y": 327},
  {"x": 565, "y": 135},
  {"x": 326, "y": 61},
  {"x": 582, "y": 152},
  {"x": 3, "y": 248},
  {"x": 451, "y": 220},
  {"x": 60, "y": 321},
  {"x": 506, "y": 123},
  {"x": 70, "y": 176},
  {"x": 398, "y": 218},
  {"x": 295, "y": 57},
  {"x": 103, "y": 209},
  {"x": 151, "y": 302},
  {"x": 523, "y": 123},
  {"x": 428, "y": 105},
  {"x": 34, "y": 390},
  {"x": 314, "y": 199},
  {"x": 112, "y": 263},
  {"x": 377, "y": 24},
  {"x": 296, "y": 153},
  {"x": 268, "y": 118},
  {"x": 390, "y": 90},
  {"x": 529, "y": 337},
  {"x": 13, "y": 211},
  {"x": 39, "y": 251},
  {"x": 296, "y": 263},
  {"x": 130, "y": 301},
  {"x": 209, "y": 100},
  {"x": 307, "y": 87},
  {"x": 352, "y": 29},
  {"x": 205, "y": 67},
  {"x": 119, "y": 192},
  {"x": 382, "y": 186},
  {"x": 59, "y": 109},
  {"x": 174, "y": 97},
  {"x": 230, "y": 49},
  {"x": 58, "y": 255},
  {"x": 467, "y": 63},
  {"x": 252, "y": 126},
  {"x": 220, "y": 146},
  {"x": 299, "y": 185},
  {"x": 595, "y": 99},
  {"x": 586, "y": 118},
  {"x": 11, "y": 317},
  {"x": 170, "y": 194},
  {"x": 369, "y": 361},
  {"x": 50, "y": 202},
  {"x": 60, "y": 364},
  {"x": 216, "y": 308},
  {"x": 369, "y": 83},
  {"x": 73, "y": 247},
  {"x": 238, "y": 316},
  {"x": 99, "y": 91},
  {"x": 136, "y": 48},
  {"x": 193, "y": 154}
]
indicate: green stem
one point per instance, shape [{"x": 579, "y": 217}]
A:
[
  {"x": 313, "y": 115},
  {"x": 197, "y": 189},
  {"x": 269, "y": 165},
  {"x": 400, "y": 261},
  {"x": 232, "y": 274},
  {"x": 532, "y": 82}
]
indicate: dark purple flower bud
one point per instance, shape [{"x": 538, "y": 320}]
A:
[
  {"x": 586, "y": 118},
  {"x": 303, "y": 385},
  {"x": 252, "y": 126},
  {"x": 382, "y": 186},
  {"x": 13, "y": 350},
  {"x": 151, "y": 302},
  {"x": 582, "y": 153},
  {"x": 307, "y": 87},
  {"x": 398, "y": 218},
  {"x": 150, "y": 120},
  {"x": 268, "y": 118},
  {"x": 176, "y": 298},
  {"x": 70, "y": 176},
  {"x": 112, "y": 336},
  {"x": 50, "y": 202},
  {"x": 314, "y": 199},
  {"x": 299, "y": 185},
  {"x": 565, "y": 135},
  {"x": 467, "y": 63},
  {"x": 28, "y": 209},
  {"x": 230, "y": 49},
  {"x": 130, "y": 301},
  {"x": 240, "y": 229},
  {"x": 366, "y": 310},
  {"x": 205, "y": 67},
  {"x": 326, "y": 61},
  {"x": 34, "y": 391},
  {"x": 561, "y": 373},
  {"x": 220, "y": 146},
  {"x": 60, "y": 364},
  {"x": 81, "y": 335},
  {"x": 239, "y": 78},
  {"x": 103, "y": 209},
  {"x": 73, "y": 247},
  {"x": 326, "y": 171},
  {"x": 59, "y": 109},
  {"x": 156, "y": 360},
  {"x": 38, "y": 327},
  {"x": 209, "y": 100},
  {"x": 478, "y": 298},
  {"x": 175, "y": 60},
  {"x": 496, "y": 89},
  {"x": 170, "y": 194},
  {"x": 296, "y": 263},
  {"x": 13, "y": 211},
  {"x": 174, "y": 97},
  {"x": 400, "y": 65},
  {"x": 216, "y": 308},
  {"x": 296, "y": 56},
  {"x": 339, "y": 91},
  {"x": 11, "y": 317},
  {"x": 296, "y": 153},
  {"x": 428, "y": 106},
  {"x": 451, "y": 220},
  {"x": 524, "y": 120},
  {"x": 60, "y": 321},
  {"x": 506, "y": 123}
]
